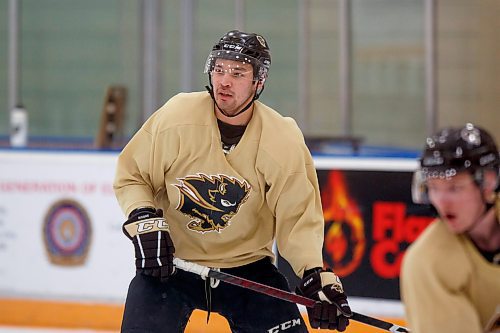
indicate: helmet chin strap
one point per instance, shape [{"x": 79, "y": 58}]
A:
[
  {"x": 211, "y": 92},
  {"x": 494, "y": 204}
]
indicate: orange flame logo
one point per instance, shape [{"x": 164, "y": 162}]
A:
[{"x": 345, "y": 242}]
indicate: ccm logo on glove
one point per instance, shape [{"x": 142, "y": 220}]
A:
[{"x": 141, "y": 227}]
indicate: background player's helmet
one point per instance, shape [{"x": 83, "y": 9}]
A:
[
  {"x": 244, "y": 47},
  {"x": 453, "y": 150}
]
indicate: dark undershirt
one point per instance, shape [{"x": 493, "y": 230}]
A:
[
  {"x": 491, "y": 256},
  {"x": 230, "y": 134}
]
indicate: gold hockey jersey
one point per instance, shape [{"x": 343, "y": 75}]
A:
[
  {"x": 225, "y": 210},
  {"x": 447, "y": 285}
]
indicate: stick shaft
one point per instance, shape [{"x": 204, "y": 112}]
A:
[
  {"x": 278, "y": 293},
  {"x": 261, "y": 288}
]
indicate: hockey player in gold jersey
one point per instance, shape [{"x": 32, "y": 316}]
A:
[
  {"x": 217, "y": 178},
  {"x": 450, "y": 280}
]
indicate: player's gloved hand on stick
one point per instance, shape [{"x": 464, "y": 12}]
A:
[
  {"x": 331, "y": 310},
  {"x": 154, "y": 249}
]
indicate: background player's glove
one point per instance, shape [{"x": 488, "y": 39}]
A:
[
  {"x": 331, "y": 310},
  {"x": 154, "y": 250}
]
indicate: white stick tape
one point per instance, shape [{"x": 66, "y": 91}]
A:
[{"x": 192, "y": 267}]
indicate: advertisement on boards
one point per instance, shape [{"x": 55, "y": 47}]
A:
[{"x": 370, "y": 220}]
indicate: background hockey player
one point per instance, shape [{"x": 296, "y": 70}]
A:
[
  {"x": 215, "y": 178},
  {"x": 450, "y": 279}
]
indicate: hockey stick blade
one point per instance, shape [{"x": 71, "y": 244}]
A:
[{"x": 205, "y": 272}]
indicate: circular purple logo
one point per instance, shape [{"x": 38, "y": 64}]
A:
[{"x": 67, "y": 233}]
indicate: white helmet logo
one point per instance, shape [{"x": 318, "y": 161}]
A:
[
  {"x": 261, "y": 40},
  {"x": 471, "y": 135}
]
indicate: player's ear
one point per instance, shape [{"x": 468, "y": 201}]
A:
[{"x": 490, "y": 183}]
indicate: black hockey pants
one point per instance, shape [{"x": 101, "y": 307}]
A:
[{"x": 155, "y": 307}]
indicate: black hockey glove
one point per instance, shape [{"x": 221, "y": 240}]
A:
[
  {"x": 331, "y": 310},
  {"x": 154, "y": 250}
]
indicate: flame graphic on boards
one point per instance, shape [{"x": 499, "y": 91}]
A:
[{"x": 345, "y": 241}]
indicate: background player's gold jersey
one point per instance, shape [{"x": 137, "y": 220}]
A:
[{"x": 447, "y": 285}]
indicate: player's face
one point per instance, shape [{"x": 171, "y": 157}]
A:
[
  {"x": 458, "y": 201},
  {"x": 233, "y": 85}
]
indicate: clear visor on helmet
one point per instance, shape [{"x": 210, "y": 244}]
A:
[
  {"x": 259, "y": 71},
  {"x": 419, "y": 188},
  {"x": 419, "y": 182}
]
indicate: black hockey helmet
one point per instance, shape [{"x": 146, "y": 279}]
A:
[
  {"x": 452, "y": 150},
  {"x": 244, "y": 47}
]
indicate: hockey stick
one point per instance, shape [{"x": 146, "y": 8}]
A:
[{"x": 205, "y": 272}]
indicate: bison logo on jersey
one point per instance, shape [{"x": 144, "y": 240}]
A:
[{"x": 211, "y": 201}]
